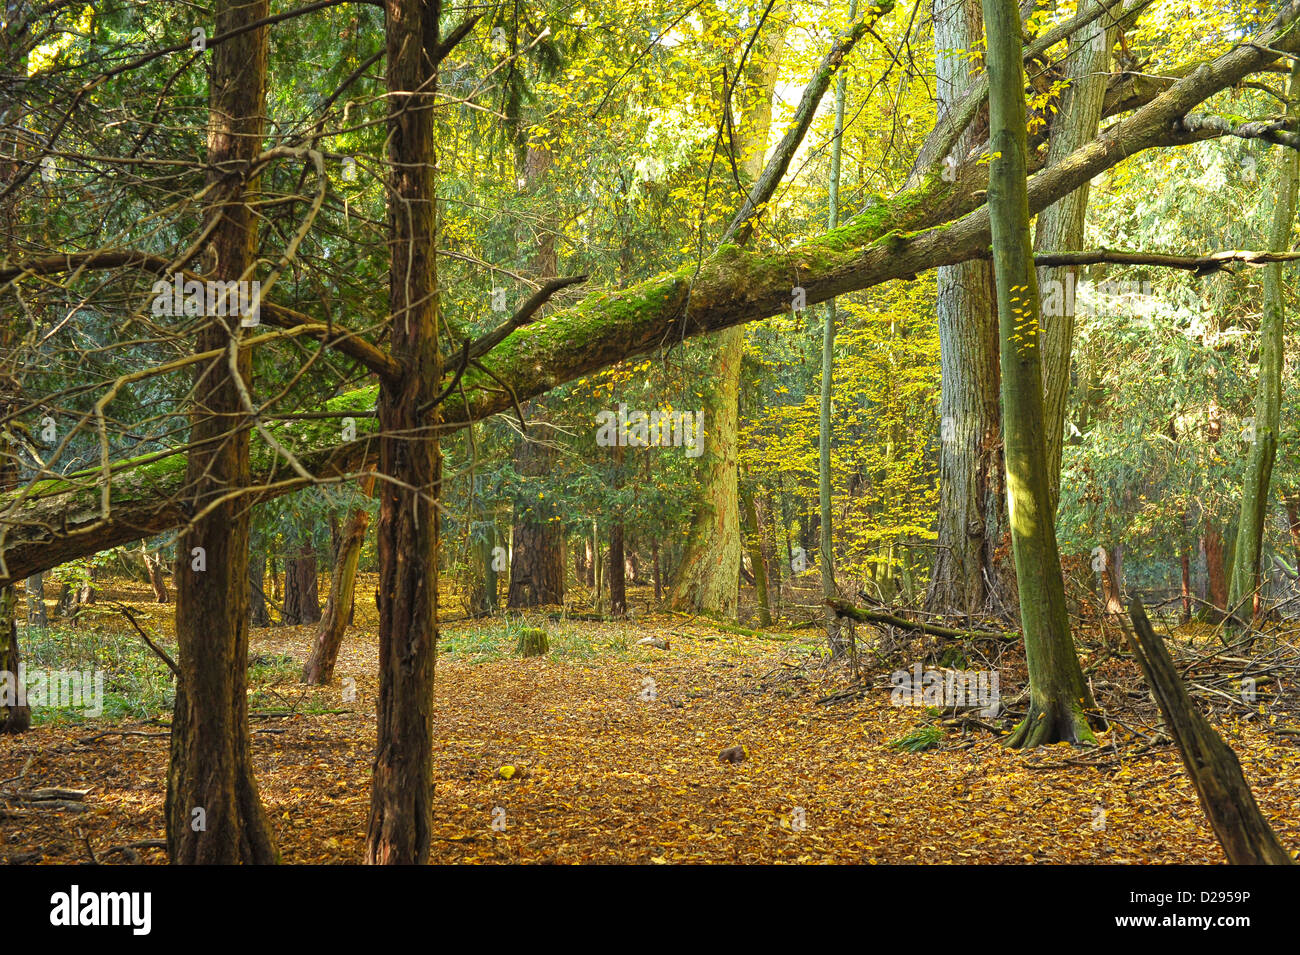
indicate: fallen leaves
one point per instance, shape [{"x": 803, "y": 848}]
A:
[{"x": 561, "y": 759}]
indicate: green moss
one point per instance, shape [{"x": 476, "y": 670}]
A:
[{"x": 532, "y": 642}]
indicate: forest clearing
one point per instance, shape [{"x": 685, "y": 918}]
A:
[{"x": 649, "y": 433}]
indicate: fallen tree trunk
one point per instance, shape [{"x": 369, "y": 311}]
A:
[
  {"x": 1225, "y": 796},
  {"x": 843, "y": 608},
  {"x": 941, "y": 221}
]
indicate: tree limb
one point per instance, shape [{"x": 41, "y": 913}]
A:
[
  {"x": 1200, "y": 264},
  {"x": 522, "y": 316},
  {"x": 843, "y": 608}
]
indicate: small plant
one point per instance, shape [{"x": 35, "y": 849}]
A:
[{"x": 917, "y": 741}]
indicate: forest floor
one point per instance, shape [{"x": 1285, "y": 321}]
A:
[{"x": 608, "y": 751}]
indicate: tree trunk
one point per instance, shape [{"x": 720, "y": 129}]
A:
[
  {"x": 1059, "y": 699},
  {"x": 258, "y": 614},
  {"x": 36, "y": 615},
  {"x": 617, "y": 555},
  {"x": 13, "y": 718},
  {"x": 1292, "y": 503},
  {"x": 1111, "y": 591},
  {"x": 755, "y": 547},
  {"x": 971, "y": 514},
  {"x": 589, "y": 555},
  {"x": 1225, "y": 796},
  {"x": 537, "y": 561},
  {"x": 213, "y": 810},
  {"x": 484, "y": 586},
  {"x": 1212, "y": 542},
  {"x": 659, "y": 589},
  {"x": 617, "y": 572},
  {"x": 157, "y": 579},
  {"x": 1185, "y": 563},
  {"x": 599, "y": 567},
  {"x": 301, "y": 594},
  {"x": 707, "y": 578},
  {"x": 1060, "y": 226},
  {"x": 767, "y": 525},
  {"x": 1268, "y": 395},
  {"x": 401, "y": 794},
  {"x": 319, "y": 668},
  {"x": 835, "y": 641}
]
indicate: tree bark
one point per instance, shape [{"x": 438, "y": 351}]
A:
[
  {"x": 1225, "y": 796},
  {"x": 836, "y": 642},
  {"x": 754, "y": 544},
  {"x": 1060, "y": 225},
  {"x": 767, "y": 533},
  {"x": 659, "y": 588},
  {"x": 537, "y": 560},
  {"x": 258, "y": 615},
  {"x": 1212, "y": 542},
  {"x": 301, "y": 593},
  {"x": 1292, "y": 504},
  {"x": 1268, "y": 394},
  {"x": 15, "y": 718},
  {"x": 537, "y": 566},
  {"x": 213, "y": 810},
  {"x": 617, "y": 572},
  {"x": 1185, "y": 563},
  {"x": 157, "y": 579},
  {"x": 972, "y": 511},
  {"x": 708, "y": 577},
  {"x": 483, "y": 595},
  {"x": 319, "y": 668},
  {"x": 36, "y": 614},
  {"x": 617, "y": 555},
  {"x": 1059, "y": 699},
  {"x": 402, "y": 787},
  {"x": 1111, "y": 592}
]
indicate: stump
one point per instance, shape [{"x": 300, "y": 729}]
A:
[{"x": 532, "y": 642}]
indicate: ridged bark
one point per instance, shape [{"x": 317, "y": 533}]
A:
[
  {"x": 1060, "y": 225},
  {"x": 401, "y": 793},
  {"x": 971, "y": 515},
  {"x": 213, "y": 810},
  {"x": 754, "y": 544}
]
